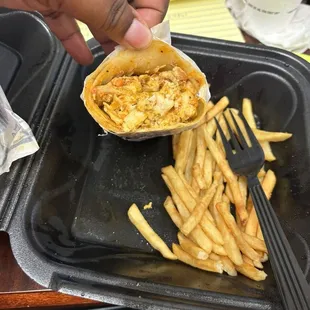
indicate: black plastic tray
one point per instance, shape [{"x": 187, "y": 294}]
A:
[
  {"x": 30, "y": 59},
  {"x": 70, "y": 231}
]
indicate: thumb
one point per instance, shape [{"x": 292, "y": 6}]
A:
[{"x": 113, "y": 18}]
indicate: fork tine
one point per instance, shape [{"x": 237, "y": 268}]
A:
[
  {"x": 240, "y": 134},
  {"x": 232, "y": 136},
  {"x": 226, "y": 144},
  {"x": 249, "y": 131}
]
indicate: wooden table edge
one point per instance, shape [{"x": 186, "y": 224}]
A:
[{"x": 43, "y": 298}]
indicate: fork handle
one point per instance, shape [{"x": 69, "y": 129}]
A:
[{"x": 292, "y": 284}]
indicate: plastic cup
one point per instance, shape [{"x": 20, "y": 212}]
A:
[{"x": 270, "y": 15}]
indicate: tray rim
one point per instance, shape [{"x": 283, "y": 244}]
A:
[{"x": 30, "y": 260}]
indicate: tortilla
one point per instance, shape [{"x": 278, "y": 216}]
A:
[{"x": 125, "y": 62}]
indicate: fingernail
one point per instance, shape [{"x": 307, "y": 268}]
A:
[{"x": 138, "y": 35}]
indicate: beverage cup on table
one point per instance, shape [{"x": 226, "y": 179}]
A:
[{"x": 270, "y": 15}]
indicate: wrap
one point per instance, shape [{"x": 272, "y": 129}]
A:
[{"x": 125, "y": 62}]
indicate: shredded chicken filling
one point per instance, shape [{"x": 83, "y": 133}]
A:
[{"x": 149, "y": 100}]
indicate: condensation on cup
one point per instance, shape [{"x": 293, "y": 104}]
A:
[{"x": 270, "y": 15}]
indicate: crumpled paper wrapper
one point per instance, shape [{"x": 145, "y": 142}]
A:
[
  {"x": 295, "y": 37},
  {"x": 161, "y": 32},
  {"x": 16, "y": 137}
]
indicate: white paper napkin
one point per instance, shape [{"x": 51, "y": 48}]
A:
[{"x": 294, "y": 37}]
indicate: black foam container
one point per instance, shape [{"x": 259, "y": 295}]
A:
[
  {"x": 30, "y": 60},
  {"x": 67, "y": 222}
]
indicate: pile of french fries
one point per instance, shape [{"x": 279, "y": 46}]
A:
[{"x": 204, "y": 191}]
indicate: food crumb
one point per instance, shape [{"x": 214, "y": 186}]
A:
[{"x": 148, "y": 206}]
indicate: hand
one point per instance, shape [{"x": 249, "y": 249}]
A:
[{"x": 109, "y": 21}]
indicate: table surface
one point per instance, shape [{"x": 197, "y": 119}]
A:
[{"x": 18, "y": 291}]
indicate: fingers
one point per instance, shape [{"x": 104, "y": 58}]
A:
[
  {"x": 106, "y": 19},
  {"x": 64, "y": 26},
  {"x": 113, "y": 18},
  {"x": 153, "y": 12},
  {"x": 68, "y": 32}
]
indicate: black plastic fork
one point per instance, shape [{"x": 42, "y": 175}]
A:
[{"x": 247, "y": 160}]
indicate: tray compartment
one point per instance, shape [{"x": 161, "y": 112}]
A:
[{"x": 73, "y": 212}]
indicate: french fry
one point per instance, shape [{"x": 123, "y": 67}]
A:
[
  {"x": 191, "y": 157},
  {"x": 211, "y": 230},
  {"x": 195, "y": 186},
  {"x": 239, "y": 122},
  {"x": 216, "y": 199},
  {"x": 180, "y": 187},
  {"x": 229, "y": 194},
  {"x": 228, "y": 174},
  {"x": 247, "y": 111},
  {"x": 200, "y": 238},
  {"x": 260, "y": 233},
  {"x": 191, "y": 248},
  {"x": 214, "y": 165},
  {"x": 256, "y": 264},
  {"x": 201, "y": 147},
  {"x": 173, "y": 213},
  {"x": 226, "y": 199},
  {"x": 243, "y": 188},
  {"x": 209, "y": 105},
  {"x": 262, "y": 135},
  {"x": 244, "y": 191},
  {"x": 176, "y": 198},
  {"x": 247, "y": 260},
  {"x": 228, "y": 266},
  {"x": 218, "y": 107},
  {"x": 209, "y": 216},
  {"x": 198, "y": 211},
  {"x": 148, "y": 233},
  {"x": 264, "y": 256},
  {"x": 208, "y": 265},
  {"x": 188, "y": 186},
  {"x": 219, "y": 249},
  {"x": 219, "y": 143},
  {"x": 207, "y": 169},
  {"x": 197, "y": 174},
  {"x": 244, "y": 247},
  {"x": 210, "y": 127},
  {"x": 269, "y": 156},
  {"x": 230, "y": 244},
  {"x": 183, "y": 150},
  {"x": 223, "y": 125},
  {"x": 218, "y": 139},
  {"x": 268, "y": 185},
  {"x": 197, "y": 235},
  {"x": 255, "y": 243},
  {"x": 251, "y": 272},
  {"x": 252, "y": 223},
  {"x": 239, "y": 223},
  {"x": 175, "y": 142},
  {"x": 195, "y": 196},
  {"x": 261, "y": 173},
  {"x": 214, "y": 256},
  {"x": 218, "y": 176},
  {"x": 249, "y": 207}
]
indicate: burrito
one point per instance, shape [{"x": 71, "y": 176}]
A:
[{"x": 143, "y": 94}]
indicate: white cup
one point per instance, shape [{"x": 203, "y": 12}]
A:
[{"x": 270, "y": 15}]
